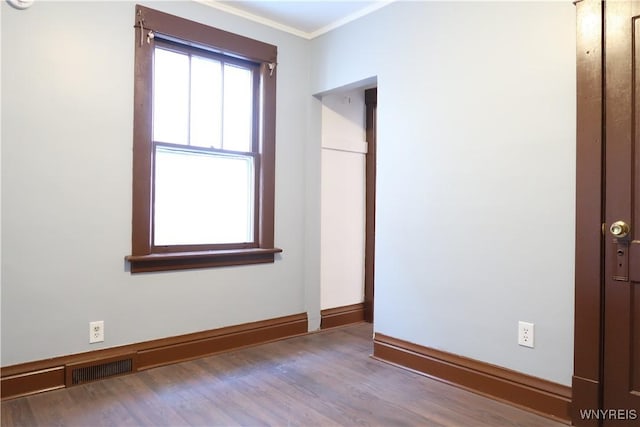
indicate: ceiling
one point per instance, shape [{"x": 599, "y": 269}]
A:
[{"x": 305, "y": 18}]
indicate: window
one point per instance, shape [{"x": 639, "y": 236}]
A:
[{"x": 203, "y": 148}]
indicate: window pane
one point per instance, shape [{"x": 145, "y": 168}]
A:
[
  {"x": 206, "y": 102},
  {"x": 202, "y": 198},
  {"x": 238, "y": 106},
  {"x": 170, "y": 97}
]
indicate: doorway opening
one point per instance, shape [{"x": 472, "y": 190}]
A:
[{"x": 347, "y": 233}]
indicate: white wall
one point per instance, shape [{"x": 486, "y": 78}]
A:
[
  {"x": 476, "y": 170},
  {"x": 67, "y": 110},
  {"x": 343, "y": 199},
  {"x": 476, "y": 173}
]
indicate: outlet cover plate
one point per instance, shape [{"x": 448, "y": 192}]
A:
[
  {"x": 96, "y": 331},
  {"x": 526, "y": 334}
]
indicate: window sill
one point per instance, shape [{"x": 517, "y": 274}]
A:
[{"x": 201, "y": 259}]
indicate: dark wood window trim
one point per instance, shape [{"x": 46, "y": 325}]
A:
[{"x": 144, "y": 256}]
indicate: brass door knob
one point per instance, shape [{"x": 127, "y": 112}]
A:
[{"x": 619, "y": 229}]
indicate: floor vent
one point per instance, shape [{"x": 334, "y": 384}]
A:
[{"x": 86, "y": 372}]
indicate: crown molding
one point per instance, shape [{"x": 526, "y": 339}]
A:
[
  {"x": 289, "y": 29},
  {"x": 350, "y": 18}
]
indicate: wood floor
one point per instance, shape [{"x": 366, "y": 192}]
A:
[{"x": 322, "y": 379}]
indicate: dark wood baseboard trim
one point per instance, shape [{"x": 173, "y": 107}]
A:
[
  {"x": 221, "y": 340},
  {"x": 533, "y": 394},
  {"x": 44, "y": 375},
  {"x": 33, "y": 382},
  {"x": 341, "y": 316}
]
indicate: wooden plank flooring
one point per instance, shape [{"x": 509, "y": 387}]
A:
[{"x": 322, "y": 379}]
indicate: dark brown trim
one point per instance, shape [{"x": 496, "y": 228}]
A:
[
  {"x": 193, "y": 35},
  {"x": 221, "y": 340},
  {"x": 533, "y": 394},
  {"x": 267, "y": 161},
  {"x": 44, "y": 375},
  {"x": 585, "y": 396},
  {"x": 188, "y": 260},
  {"x": 589, "y": 217},
  {"x": 371, "y": 104},
  {"x": 36, "y": 381},
  {"x": 142, "y": 149},
  {"x": 341, "y": 316},
  {"x": 201, "y": 35}
]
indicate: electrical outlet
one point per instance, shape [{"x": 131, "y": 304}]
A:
[
  {"x": 525, "y": 334},
  {"x": 96, "y": 331}
]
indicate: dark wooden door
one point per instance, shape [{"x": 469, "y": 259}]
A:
[{"x": 621, "y": 350}]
